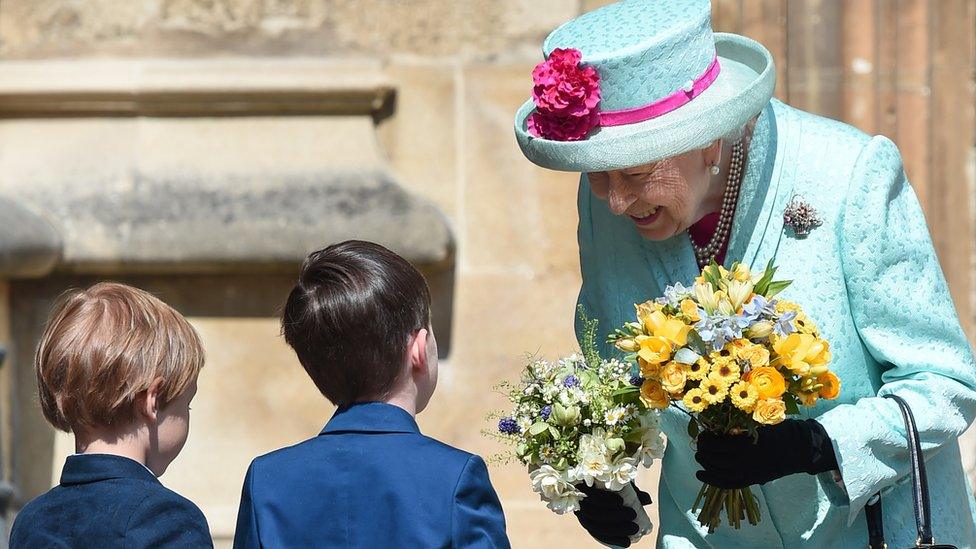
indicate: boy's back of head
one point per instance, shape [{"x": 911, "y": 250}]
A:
[
  {"x": 359, "y": 321},
  {"x": 118, "y": 368},
  {"x": 105, "y": 345},
  {"x": 351, "y": 318}
]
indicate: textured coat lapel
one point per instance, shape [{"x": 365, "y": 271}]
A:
[{"x": 757, "y": 228}]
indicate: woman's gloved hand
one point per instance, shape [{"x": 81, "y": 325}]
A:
[
  {"x": 603, "y": 514},
  {"x": 793, "y": 446}
]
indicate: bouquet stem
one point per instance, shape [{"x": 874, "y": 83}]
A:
[{"x": 739, "y": 504}]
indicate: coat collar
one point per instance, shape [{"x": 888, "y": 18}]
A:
[
  {"x": 85, "y": 468},
  {"x": 767, "y": 187},
  {"x": 371, "y": 417}
]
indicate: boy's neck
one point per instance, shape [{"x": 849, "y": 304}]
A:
[
  {"x": 405, "y": 402},
  {"x": 117, "y": 444}
]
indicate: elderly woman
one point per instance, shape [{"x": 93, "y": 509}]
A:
[{"x": 685, "y": 159}]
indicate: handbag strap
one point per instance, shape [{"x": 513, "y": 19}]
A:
[
  {"x": 920, "y": 487},
  {"x": 872, "y": 512}
]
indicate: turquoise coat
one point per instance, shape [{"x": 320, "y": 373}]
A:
[{"x": 869, "y": 277}]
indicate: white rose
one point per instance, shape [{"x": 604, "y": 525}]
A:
[
  {"x": 566, "y": 502},
  {"x": 553, "y": 487},
  {"x": 622, "y": 471},
  {"x": 546, "y": 480},
  {"x": 592, "y": 458},
  {"x": 652, "y": 442}
]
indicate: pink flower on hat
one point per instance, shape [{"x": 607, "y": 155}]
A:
[{"x": 566, "y": 97}]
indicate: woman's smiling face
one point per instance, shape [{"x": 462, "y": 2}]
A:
[{"x": 663, "y": 198}]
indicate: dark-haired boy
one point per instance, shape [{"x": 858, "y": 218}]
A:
[{"x": 359, "y": 321}]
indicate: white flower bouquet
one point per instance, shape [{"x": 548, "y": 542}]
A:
[{"x": 581, "y": 420}]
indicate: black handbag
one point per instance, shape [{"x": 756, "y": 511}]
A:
[{"x": 920, "y": 493}]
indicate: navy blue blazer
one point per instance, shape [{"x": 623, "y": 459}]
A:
[
  {"x": 109, "y": 501},
  {"x": 369, "y": 480}
]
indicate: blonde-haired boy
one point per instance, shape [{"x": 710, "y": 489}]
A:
[{"x": 118, "y": 368}]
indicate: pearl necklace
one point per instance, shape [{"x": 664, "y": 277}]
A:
[{"x": 706, "y": 254}]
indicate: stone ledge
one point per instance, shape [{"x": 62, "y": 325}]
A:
[
  {"x": 208, "y": 87},
  {"x": 238, "y": 224}
]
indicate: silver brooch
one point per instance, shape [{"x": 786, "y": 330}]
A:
[{"x": 800, "y": 217}]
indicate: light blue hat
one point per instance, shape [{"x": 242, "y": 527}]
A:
[{"x": 642, "y": 80}]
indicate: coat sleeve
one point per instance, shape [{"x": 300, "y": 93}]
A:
[
  {"x": 477, "y": 519},
  {"x": 167, "y": 521},
  {"x": 906, "y": 319},
  {"x": 246, "y": 533}
]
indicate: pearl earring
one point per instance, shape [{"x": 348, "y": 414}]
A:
[{"x": 715, "y": 169}]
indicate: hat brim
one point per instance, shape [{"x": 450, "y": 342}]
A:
[{"x": 743, "y": 87}]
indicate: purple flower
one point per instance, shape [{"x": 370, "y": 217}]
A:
[
  {"x": 636, "y": 380},
  {"x": 546, "y": 412},
  {"x": 784, "y": 325},
  {"x": 508, "y": 426},
  {"x": 571, "y": 381}
]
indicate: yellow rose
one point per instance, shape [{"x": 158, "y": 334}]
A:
[
  {"x": 831, "y": 385},
  {"x": 768, "y": 382},
  {"x": 694, "y": 401},
  {"x": 769, "y": 411},
  {"x": 654, "y": 350},
  {"x": 654, "y": 396},
  {"x": 756, "y": 355},
  {"x": 698, "y": 370},
  {"x": 673, "y": 378},
  {"x": 744, "y": 396},
  {"x": 648, "y": 370},
  {"x": 690, "y": 310}
]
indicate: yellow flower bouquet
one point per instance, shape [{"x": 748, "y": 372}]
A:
[{"x": 733, "y": 357}]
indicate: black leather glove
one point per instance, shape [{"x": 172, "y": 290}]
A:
[
  {"x": 603, "y": 514},
  {"x": 793, "y": 446}
]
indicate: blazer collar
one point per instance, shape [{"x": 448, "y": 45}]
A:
[
  {"x": 85, "y": 468},
  {"x": 371, "y": 417}
]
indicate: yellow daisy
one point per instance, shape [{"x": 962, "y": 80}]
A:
[
  {"x": 698, "y": 370},
  {"x": 694, "y": 400},
  {"x": 725, "y": 369},
  {"x": 714, "y": 389},
  {"x": 744, "y": 396}
]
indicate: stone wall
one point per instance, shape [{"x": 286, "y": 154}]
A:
[{"x": 460, "y": 69}]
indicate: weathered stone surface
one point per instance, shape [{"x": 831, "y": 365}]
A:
[
  {"x": 29, "y": 244},
  {"x": 205, "y": 194},
  {"x": 193, "y": 223},
  {"x": 478, "y": 28},
  {"x": 421, "y": 139},
  {"x": 519, "y": 216}
]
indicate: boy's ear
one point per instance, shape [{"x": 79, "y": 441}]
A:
[
  {"x": 418, "y": 350},
  {"x": 147, "y": 402}
]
